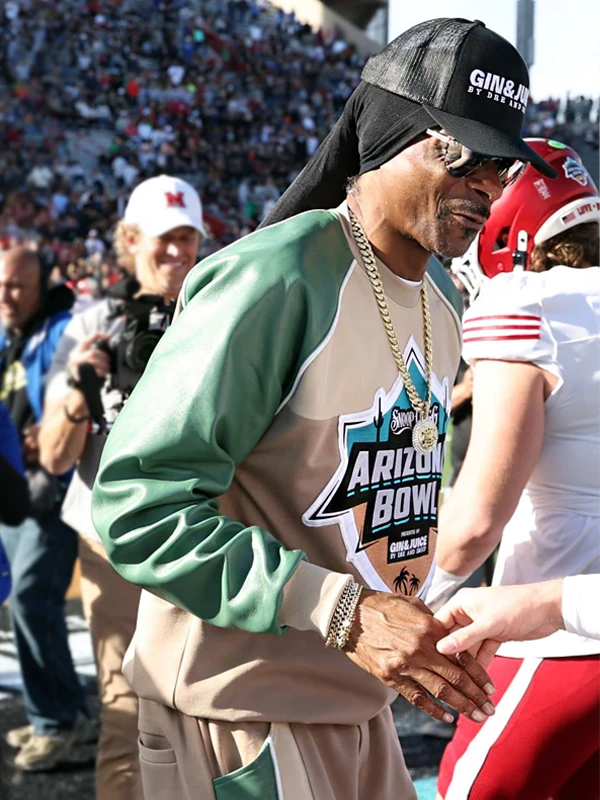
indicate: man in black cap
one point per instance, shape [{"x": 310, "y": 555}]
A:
[
  {"x": 444, "y": 73},
  {"x": 279, "y": 504}
]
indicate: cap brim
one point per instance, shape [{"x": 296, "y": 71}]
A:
[
  {"x": 168, "y": 222},
  {"x": 489, "y": 141}
]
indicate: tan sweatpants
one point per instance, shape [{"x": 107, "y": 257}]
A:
[
  {"x": 180, "y": 756},
  {"x": 110, "y": 607}
]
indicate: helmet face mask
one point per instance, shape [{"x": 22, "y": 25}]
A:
[
  {"x": 468, "y": 270},
  {"x": 531, "y": 210}
]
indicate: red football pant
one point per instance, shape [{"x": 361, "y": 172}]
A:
[{"x": 543, "y": 742}]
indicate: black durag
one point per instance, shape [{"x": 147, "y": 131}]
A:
[{"x": 375, "y": 125}]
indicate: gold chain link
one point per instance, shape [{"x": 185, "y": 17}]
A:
[{"x": 420, "y": 406}]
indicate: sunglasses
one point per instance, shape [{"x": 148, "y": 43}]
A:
[{"x": 460, "y": 161}]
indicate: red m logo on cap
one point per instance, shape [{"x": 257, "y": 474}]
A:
[{"x": 175, "y": 200}]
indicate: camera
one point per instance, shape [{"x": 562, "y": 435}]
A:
[{"x": 146, "y": 319}]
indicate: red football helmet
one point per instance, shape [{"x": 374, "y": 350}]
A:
[{"x": 530, "y": 211}]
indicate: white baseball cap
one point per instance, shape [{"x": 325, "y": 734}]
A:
[{"x": 160, "y": 204}]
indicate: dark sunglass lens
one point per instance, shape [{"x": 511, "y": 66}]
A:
[{"x": 460, "y": 162}]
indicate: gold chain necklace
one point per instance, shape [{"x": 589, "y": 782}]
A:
[{"x": 425, "y": 431}]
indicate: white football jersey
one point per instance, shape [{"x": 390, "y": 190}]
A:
[{"x": 551, "y": 319}]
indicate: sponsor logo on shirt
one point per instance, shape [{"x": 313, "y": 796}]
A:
[
  {"x": 499, "y": 89},
  {"x": 384, "y": 495}
]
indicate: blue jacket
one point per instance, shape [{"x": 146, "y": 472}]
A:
[
  {"x": 10, "y": 448},
  {"x": 37, "y": 356}
]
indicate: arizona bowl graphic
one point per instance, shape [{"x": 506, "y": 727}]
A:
[{"x": 384, "y": 495}]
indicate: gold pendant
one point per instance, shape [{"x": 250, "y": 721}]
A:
[{"x": 424, "y": 436}]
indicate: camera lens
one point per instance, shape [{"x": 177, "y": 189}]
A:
[{"x": 141, "y": 348}]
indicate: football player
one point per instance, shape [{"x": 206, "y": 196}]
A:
[{"x": 533, "y": 337}]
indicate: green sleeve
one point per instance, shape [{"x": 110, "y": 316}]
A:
[{"x": 253, "y": 313}]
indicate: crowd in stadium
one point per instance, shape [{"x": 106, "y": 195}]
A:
[{"x": 234, "y": 96}]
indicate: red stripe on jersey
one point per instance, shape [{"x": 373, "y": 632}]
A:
[
  {"x": 511, "y": 327},
  {"x": 503, "y": 316},
  {"x": 516, "y": 338}
]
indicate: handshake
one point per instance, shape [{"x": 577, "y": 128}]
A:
[
  {"x": 427, "y": 658},
  {"x": 479, "y": 620}
]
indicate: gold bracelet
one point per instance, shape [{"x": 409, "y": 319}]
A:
[{"x": 343, "y": 616}]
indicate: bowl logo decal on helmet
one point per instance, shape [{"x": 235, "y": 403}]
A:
[
  {"x": 576, "y": 171},
  {"x": 531, "y": 211}
]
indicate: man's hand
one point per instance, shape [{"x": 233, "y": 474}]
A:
[
  {"x": 394, "y": 638},
  {"x": 31, "y": 450},
  {"x": 480, "y": 619},
  {"x": 86, "y": 353}
]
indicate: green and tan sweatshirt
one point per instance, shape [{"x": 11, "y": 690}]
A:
[{"x": 262, "y": 462}]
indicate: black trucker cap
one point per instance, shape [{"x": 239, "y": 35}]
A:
[{"x": 470, "y": 81}]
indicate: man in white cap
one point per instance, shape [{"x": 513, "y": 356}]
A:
[{"x": 157, "y": 241}]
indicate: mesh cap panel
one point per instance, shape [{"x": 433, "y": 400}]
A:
[{"x": 419, "y": 64}]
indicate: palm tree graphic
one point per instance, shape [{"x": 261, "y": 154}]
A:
[
  {"x": 401, "y": 581},
  {"x": 414, "y": 584}
]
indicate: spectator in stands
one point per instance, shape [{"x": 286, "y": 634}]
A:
[
  {"x": 42, "y": 549},
  {"x": 158, "y": 240},
  {"x": 94, "y": 244}
]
